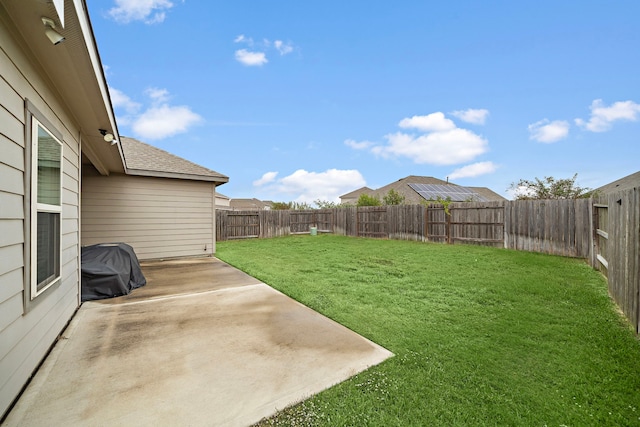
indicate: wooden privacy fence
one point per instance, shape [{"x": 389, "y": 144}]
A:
[
  {"x": 560, "y": 227},
  {"x": 477, "y": 223},
  {"x": 604, "y": 230},
  {"x": 616, "y": 220},
  {"x": 557, "y": 227},
  {"x": 480, "y": 223}
]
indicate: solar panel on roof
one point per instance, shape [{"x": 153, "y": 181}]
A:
[{"x": 454, "y": 192}]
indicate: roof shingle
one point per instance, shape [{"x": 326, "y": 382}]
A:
[
  {"x": 412, "y": 197},
  {"x": 147, "y": 160},
  {"x": 624, "y": 183}
]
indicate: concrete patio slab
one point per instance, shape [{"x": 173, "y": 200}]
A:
[{"x": 201, "y": 344}]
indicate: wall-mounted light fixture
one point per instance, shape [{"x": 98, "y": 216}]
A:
[
  {"x": 54, "y": 36},
  {"x": 108, "y": 137}
]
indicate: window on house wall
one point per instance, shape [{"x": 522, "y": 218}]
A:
[{"x": 46, "y": 208}]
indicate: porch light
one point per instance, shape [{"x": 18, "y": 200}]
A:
[
  {"x": 108, "y": 137},
  {"x": 54, "y": 36}
]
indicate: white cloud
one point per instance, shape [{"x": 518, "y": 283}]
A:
[
  {"x": 437, "y": 148},
  {"x": 251, "y": 59},
  {"x": 476, "y": 169},
  {"x": 158, "y": 120},
  {"x": 157, "y": 95},
  {"x": 363, "y": 145},
  {"x": 242, "y": 39},
  {"x": 265, "y": 179},
  {"x": 602, "y": 117},
  {"x": 440, "y": 142},
  {"x": 548, "y": 132},
  {"x": 257, "y": 56},
  {"x": 434, "y": 122},
  {"x": 476, "y": 117},
  {"x": 304, "y": 186},
  {"x": 120, "y": 100},
  {"x": 148, "y": 11},
  {"x": 164, "y": 120},
  {"x": 282, "y": 47}
]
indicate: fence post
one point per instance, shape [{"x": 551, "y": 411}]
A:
[
  {"x": 448, "y": 224},
  {"x": 425, "y": 232},
  {"x": 593, "y": 236}
]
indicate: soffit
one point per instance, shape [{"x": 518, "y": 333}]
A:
[{"x": 74, "y": 71}]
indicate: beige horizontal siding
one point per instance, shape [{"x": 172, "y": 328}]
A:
[
  {"x": 11, "y": 210},
  {"x": 12, "y": 153},
  {"x": 135, "y": 193},
  {"x": 29, "y": 339},
  {"x": 158, "y": 217},
  {"x": 143, "y": 234},
  {"x": 26, "y": 335},
  {"x": 11, "y": 232},
  {"x": 11, "y": 257},
  {"x": 11, "y": 283},
  {"x": 12, "y": 126},
  {"x": 11, "y": 206},
  {"x": 12, "y": 180}
]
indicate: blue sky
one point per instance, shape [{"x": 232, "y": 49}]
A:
[{"x": 299, "y": 101}]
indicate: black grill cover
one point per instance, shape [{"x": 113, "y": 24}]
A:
[{"x": 109, "y": 270}]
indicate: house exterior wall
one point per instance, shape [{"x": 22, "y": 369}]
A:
[
  {"x": 349, "y": 200},
  {"x": 223, "y": 203},
  {"x": 28, "y": 327},
  {"x": 158, "y": 217}
]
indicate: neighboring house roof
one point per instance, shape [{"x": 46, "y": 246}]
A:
[
  {"x": 625, "y": 183},
  {"x": 222, "y": 196},
  {"x": 356, "y": 193},
  {"x": 487, "y": 193},
  {"x": 402, "y": 187},
  {"x": 249, "y": 204},
  {"x": 147, "y": 160},
  {"x": 411, "y": 197}
]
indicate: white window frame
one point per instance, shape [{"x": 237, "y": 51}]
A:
[{"x": 43, "y": 207}]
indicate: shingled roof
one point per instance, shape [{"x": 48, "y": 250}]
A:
[
  {"x": 625, "y": 183},
  {"x": 411, "y": 197},
  {"x": 249, "y": 204},
  {"x": 487, "y": 193},
  {"x": 402, "y": 187},
  {"x": 146, "y": 160},
  {"x": 356, "y": 193}
]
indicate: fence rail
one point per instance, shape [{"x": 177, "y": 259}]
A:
[{"x": 604, "y": 230}]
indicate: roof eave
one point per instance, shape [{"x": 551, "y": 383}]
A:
[
  {"x": 73, "y": 71},
  {"x": 218, "y": 180}
]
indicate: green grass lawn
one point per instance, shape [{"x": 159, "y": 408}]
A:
[{"x": 481, "y": 336}]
